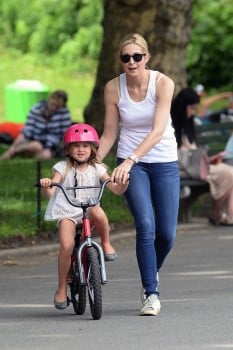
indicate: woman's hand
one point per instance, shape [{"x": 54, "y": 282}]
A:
[{"x": 120, "y": 175}]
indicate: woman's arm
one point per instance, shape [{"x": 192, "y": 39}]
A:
[
  {"x": 208, "y": 101},
  {"x": 111, "y": 120},
  {"x": 164, "y": 96},
  {"x": 117, "y": 189}
]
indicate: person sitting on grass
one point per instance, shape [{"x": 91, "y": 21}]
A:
[
  {"x": 80, "y": 169},
  {"x": 45, "y": 125}
]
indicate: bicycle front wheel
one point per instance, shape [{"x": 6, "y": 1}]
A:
[{"x": 94, "y": 283}]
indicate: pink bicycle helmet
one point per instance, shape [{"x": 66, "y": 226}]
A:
[{"x": 81, "y": 133}]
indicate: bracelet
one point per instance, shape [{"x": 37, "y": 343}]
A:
[{"x": 134, "y": 158}]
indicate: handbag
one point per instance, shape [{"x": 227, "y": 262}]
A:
[{"x": 193, "y": 164}]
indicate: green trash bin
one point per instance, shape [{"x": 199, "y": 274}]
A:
[{"x": 20, "y": 96}]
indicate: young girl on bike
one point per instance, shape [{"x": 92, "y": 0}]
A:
[{"x": 81, "y": 142}]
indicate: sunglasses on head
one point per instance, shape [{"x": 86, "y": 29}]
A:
[{"x": 137, "y": 57}]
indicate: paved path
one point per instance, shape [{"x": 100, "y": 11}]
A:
[{"x": 196, "y": 286}]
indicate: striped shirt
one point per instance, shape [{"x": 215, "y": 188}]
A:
[{"x": 47, "y": 131}]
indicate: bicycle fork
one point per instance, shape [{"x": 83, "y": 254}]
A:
[{"x": 81, "y": 250}]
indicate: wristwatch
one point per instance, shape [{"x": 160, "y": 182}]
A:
[{"x": 134, "y": 158}]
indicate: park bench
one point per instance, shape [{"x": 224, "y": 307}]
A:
[{"x": 213, "y": 137}]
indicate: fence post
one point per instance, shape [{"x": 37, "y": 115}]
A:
[{"x": 38, "y": 197}]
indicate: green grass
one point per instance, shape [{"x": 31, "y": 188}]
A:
[
  {"x": 18, "y": 208},
  {"x": 18, "y": 199},
  {"x": 14, "y": 66}
]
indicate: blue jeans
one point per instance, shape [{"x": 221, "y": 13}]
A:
[{"x": 153, "y": 198}]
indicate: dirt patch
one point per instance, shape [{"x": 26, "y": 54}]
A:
[{"x": 22, "y": 241}]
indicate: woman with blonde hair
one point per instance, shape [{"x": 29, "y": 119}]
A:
[{"x": 139, "y": 102}]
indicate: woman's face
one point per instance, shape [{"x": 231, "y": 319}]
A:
[
  {"x": 191, "y": 110},
  {"x": 133, "y": 59}
]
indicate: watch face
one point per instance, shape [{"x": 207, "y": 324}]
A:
[{"x": 134, "y": 158}]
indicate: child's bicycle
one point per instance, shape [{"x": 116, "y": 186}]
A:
[{"x": 87, "y": 270}]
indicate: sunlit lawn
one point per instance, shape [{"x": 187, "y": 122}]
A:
[
  {"x": 18, "y": 199},
  {"x": 78, "y": 85},
  {"x": 18, "y": 207}
]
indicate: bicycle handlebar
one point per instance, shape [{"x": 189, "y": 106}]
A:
[{"x": 91, "y": 201}]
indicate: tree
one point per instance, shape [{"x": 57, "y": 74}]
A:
[
  {"x": 210, "y": 51},
  {"x": 165, "y": 24}
]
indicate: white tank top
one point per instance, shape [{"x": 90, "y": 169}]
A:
[{"x": 136, "y": 119}]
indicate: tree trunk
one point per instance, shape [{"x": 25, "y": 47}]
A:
[{"x": 165, "y": 24}]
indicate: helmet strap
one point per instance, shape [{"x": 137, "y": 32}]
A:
[{"x": 75, "y": 182}]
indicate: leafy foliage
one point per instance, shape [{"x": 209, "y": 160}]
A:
[
  {"x": 210, "y": 52},
  {"x": 68, "y": 28},
  {"x": 68, "y": 33}
]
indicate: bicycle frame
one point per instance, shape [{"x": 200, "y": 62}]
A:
[{"x": 88, "y": 243}]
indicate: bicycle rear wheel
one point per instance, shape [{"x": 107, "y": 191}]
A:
[
  {"x": 94, "y": 283},
  {"x": 78, "y": 292}
]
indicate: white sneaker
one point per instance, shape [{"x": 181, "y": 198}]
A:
[
  {"x": 151, "y": 306},
  {"x": 143, "y": 296},
  {"x": 143, "y": 291}
]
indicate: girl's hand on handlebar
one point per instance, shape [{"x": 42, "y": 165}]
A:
[{"x": 45, "y": 182}]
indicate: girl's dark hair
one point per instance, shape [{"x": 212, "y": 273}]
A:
[{"x": 180, "y": 120}]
